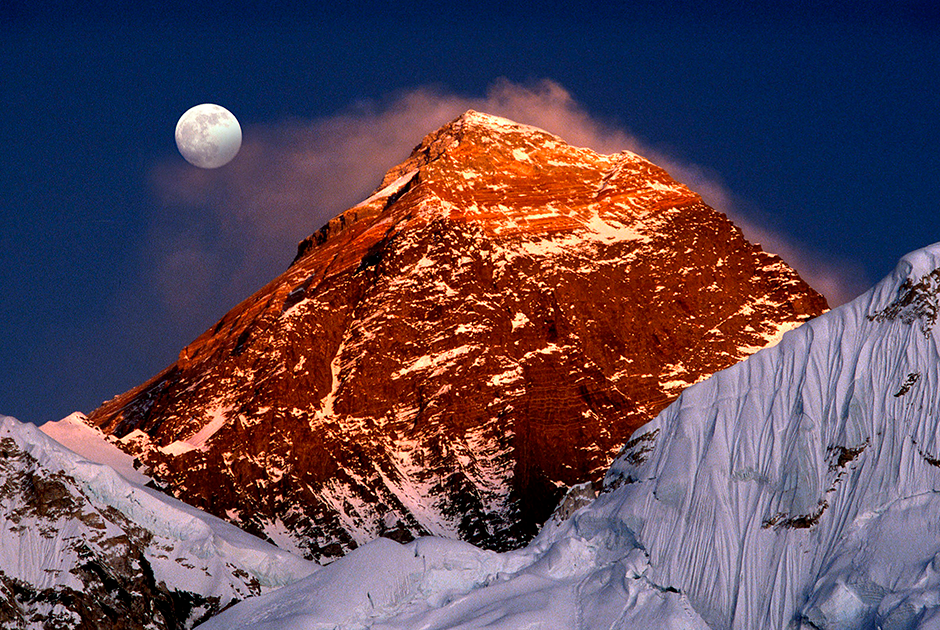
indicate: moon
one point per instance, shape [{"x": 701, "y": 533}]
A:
[{"x": 208, "y": 136}]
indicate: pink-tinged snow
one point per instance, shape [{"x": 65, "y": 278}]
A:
[
  {"x": 279, "y": 534},
  {"x": 797, "y": 489},
  {"x": 389, "y": 190},
  {"x": 217, "y": 419},
  {"x": 438, "y": 361},
  {"x": 91, "y": 443}
]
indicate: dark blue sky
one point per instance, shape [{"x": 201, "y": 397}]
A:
[{"x": 818, "y": 123}]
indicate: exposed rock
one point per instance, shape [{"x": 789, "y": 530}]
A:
[
  {"x": 577, "y": 497},
  {"x": 447, "y": 356}
]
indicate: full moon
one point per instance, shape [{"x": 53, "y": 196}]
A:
[{"x": 208, "y": 136}]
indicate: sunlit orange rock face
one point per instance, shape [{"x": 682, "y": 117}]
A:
[{"x": 447, "y": 356}]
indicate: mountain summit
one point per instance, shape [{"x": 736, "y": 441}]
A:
[{"x": 449, "y": 355}]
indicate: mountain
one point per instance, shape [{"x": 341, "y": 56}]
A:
[
  {"x": 82, "y": 547},
  {"x": 798, "y": 489},
  {"x": 449, "y": 355}
]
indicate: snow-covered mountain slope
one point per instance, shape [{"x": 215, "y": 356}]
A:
[
  {"x": 797, "y": 489},
  {"x": 82, "y": 547},
  {"x": 787, "y": 485}
]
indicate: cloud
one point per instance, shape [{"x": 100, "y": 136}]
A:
[
  {"x": 839, "y": 280},
  {"x": 221, "y": 234}
]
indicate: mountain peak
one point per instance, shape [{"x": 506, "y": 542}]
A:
[
  {"x": 423, "y": 365},
  {"x": 496, "y": 127},
  {"x": 498, "y": 175},
  {"x": 481, "y": 120},
  {"x": 479, "y": 130},
  {"x": 474, "y": 121},
  {"x": 796, "y": 489}
]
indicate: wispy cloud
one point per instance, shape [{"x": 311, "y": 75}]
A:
[
  {"x": 839, "y": 280},
  {"x": 222, "y": 234}
]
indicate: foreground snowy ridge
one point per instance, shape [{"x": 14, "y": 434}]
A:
[
  {"x": 798, "y": 489},
  {"x": 80, "y": 546}
]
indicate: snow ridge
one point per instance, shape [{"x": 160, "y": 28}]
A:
[
  {"x": 793, "y": 455},
  {"x": 62, "y": 515}
]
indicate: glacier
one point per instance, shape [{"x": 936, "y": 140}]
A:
[{"x": 795, "y": 490}]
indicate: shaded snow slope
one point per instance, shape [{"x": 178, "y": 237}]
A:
[
  {"x": 80, "y": 546},
  {"x": 798, "y": 489},
  {"x": 796, "y": 472}
]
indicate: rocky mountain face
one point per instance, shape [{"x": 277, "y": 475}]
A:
[
  {"x": 449, "y": 355},
  {"x": 82, "y": 548},
  {"x": 797, "y": 490}
]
